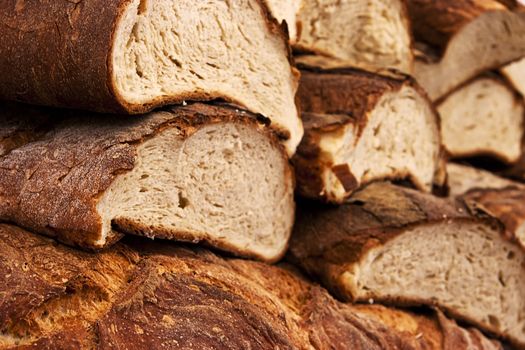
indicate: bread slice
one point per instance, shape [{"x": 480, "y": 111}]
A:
[
  {"x": 395, "y": 245},
  {"x": 473, "y": 37},
  {"x": 131, "y": 56},
  {"x": 463, "y": 178},
  {"x": 361, "y": 127},
  {"x": 194, "y": 173},
  {"x": 361, "y": 33},
  {"x": 515, "y": 74},
  {"x": 483, "y": 118},
  {"x": 151, "y": 296}
]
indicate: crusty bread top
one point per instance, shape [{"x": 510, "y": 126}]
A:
[{"x": 150, "y": 295}]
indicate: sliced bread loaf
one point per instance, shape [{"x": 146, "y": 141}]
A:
[
  {"x": 485, "y": 117},
  {"x": 471, "y": 37},
  {"x": 360, "y": 127},
  {"x": 130, "y": 56},
  {"x": 152, "y": 296},
  {"x": 195, "y": 173},
  {"x": 395, "y": 245}
]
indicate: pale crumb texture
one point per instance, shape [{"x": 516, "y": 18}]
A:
[
  {"x": 468, "y": 269},
  {"x": 206, "y": 49},
  {"x": 226, "y": 184},
  {"x": 400, "y": 141},
  {"x": 493, "y": 39},
  {"x": 463, "y": 178},
  {"x": 515, "y": 74},
  {"x": 484, "y": 117},
  {"x": 370, "y": 33}
]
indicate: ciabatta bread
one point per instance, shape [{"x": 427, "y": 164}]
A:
[
  {"x": 395, "y": 245},
  {"x": 485, "y": 117},
  {"x": 152, "y": 296},
  {"x": 195, "y": 173},
  {"x": 130, "y": 56},
  {"x": 361, "y": 127},
  {"x": 471, "y": 37}
]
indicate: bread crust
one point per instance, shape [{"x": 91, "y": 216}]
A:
[
  {"x": 328, "y": 241},
  {"x": 333, "y": 99},
  {"x": 51, "y": 182},
  {"x": 143, "y": 295},
  {"x": 435, "y": 22},
  {"x": 59, "y": 53}
]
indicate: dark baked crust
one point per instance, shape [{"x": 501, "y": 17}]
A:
[
  {"x": 436, "y": 21},
  {"x": 506, "y": 204},
  {"x": 50, "y": 181},
  {"x": 58, "y": 53},
  {"x": 332, "y": 99},
  {"x": 148, "y": 295}
]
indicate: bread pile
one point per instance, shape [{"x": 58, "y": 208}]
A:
[{"x": 156, "y": 157}]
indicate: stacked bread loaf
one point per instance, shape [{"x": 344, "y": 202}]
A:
[{"x": 152, "y": 150}]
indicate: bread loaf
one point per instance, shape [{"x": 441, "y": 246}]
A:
[
  {"x": 361, "y": 33},
  {"x": 151, "y": 296},
  {"x": 360, "y": 127},
  {"x": 132, "y": 56},
  {"x": 195, "y": 173},
  {"x": 463, "y": 178},
  {"x": 485, "y": 117},
  {"x": 395, "y": 245},
  {"x": 471, "y": 37}
]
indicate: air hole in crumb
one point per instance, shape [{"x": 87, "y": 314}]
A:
[
  {"x": 143, "y": 189},
  {"x": 142, "y": 7},
  {"x": 500, "y": 279},
  {"x": 183, "y": 201},
  {"x": 511, "y": 255},
  {"x": 144, "y": 176}
]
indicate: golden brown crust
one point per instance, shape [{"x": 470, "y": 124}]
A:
[
  {"x": 145, "y": 295},
  {"x": 52, "y": 183},
  {"x": 436, "y": 21}
]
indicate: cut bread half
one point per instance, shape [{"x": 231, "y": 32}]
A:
[
  {"x": 361, "y": 127},
  {"x": 463, "y": 178},
  {"x": 483, "y": 118},
  {"x": 515, "y": 74},
  {"x": 133, "y": 56},
  {"x": 399, "y": 246},
  {"x": 138, "y": 295},
  {"x": 362, "y": 33},
  {"x": 473, "y": 37},
  {"x": 195, "y": 173}
]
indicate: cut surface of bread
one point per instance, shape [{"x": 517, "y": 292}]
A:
[
  {"x": 395, "y": 245},
  {"x": 483, "y": 118},
  {"x": 152, "y": 295},
  {"x": 361, "y": 127},
  {"x": 134, "y": 56},
  {"x": 488, "y": 41},
  {"x": 374, "y": 33},
  {"x": 463, "y": 178},
  {"x": 221, "y": 178},
  {"x": 515, "y": 74}
]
